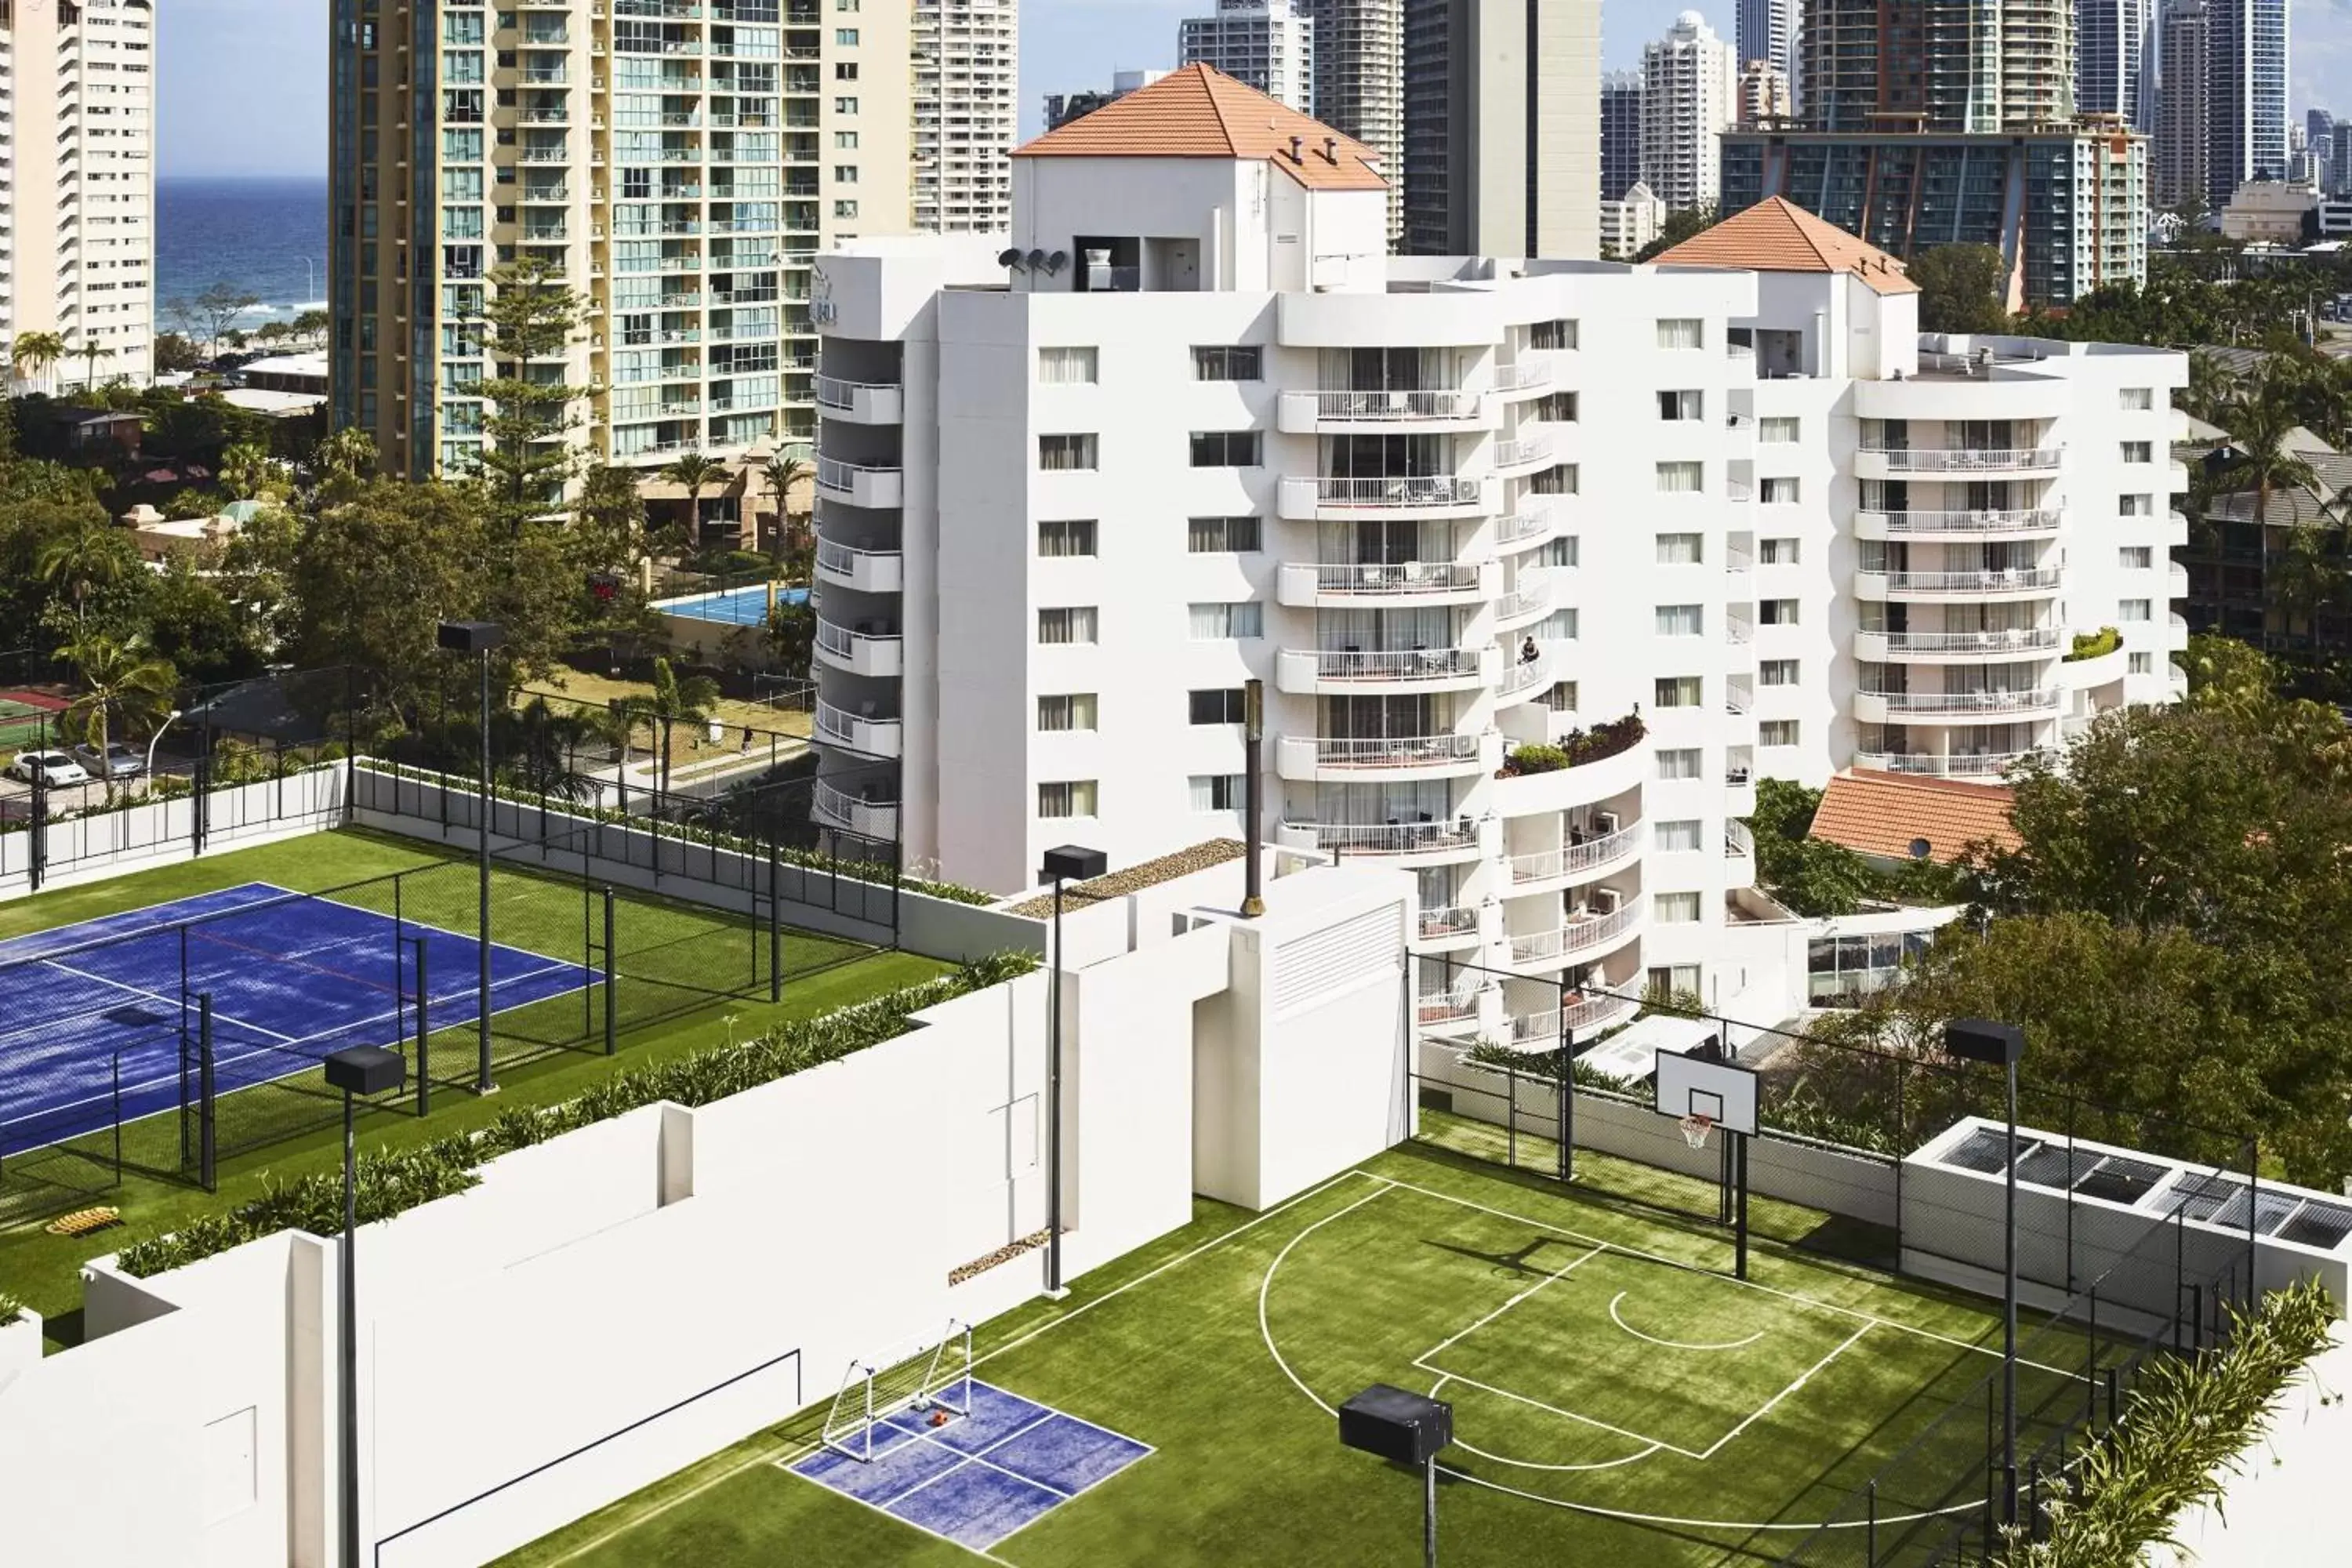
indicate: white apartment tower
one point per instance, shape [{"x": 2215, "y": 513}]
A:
[
  {"x": 966, "y": 66},
  {"x": 1360, "y": 82},
  {"x": 1690, "y": 95},
  {"x": 1764, "y": 96},
  {"x": 1766, "y": 30},
  {"x": 1486, "y": 530},
  {"x": 78, "y": 185},
  {"x": 1264, "y": 43}
]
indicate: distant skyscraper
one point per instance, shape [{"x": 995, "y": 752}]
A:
[
  {"x": 1621, "y": 133},
  {"x": 2112, "y": 60},
  {"x": 966, "y": 59},
  {"x": 1061, "y": 108},
  {"x": 1360, "y": 82},
  {"x": 2246, "y": 89},
  {"x": 2340, "y": 160},
  {"x": 1766, "y": 30},
  {"x": 1264, "y": 44},
  {"x": 2184, "y": 119},
  {"x": 1690, "y": 95},
  {"x": 1502, "y": 132},
  {"x": 1763, "y": 93}
]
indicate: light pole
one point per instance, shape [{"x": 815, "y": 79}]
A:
[
  {"x": 1069, "y": 863},
  {"x": 478, "y": 638},
  {"x": 1983, "y": 1040},
  {"x": 149, "y": 772},
  {"x": 358, "y": 1070}
]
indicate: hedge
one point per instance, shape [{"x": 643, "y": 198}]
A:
[{"x": 2094, "y": 644}]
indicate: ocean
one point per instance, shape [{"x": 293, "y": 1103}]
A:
[{"x": 266, "y": 237}]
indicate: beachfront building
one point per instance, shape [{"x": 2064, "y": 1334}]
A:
[
  {"x": 1537, "y": 564},
  {"x": 78, "y": 188}
]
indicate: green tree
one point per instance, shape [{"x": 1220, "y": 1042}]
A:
[
  {"x": 246, "y": 472},
  {"x": 83, "y": 560},
  {"x": 175, "y": 355},
  {"x": 126, "y": 691},
  {"x": 794, "y": 536},
  {"x": 193, "y": 624},
  {"x": 680, "y": 699},
  {"x": 311, "y": 325},
  {"x": 1679, "y": 226},
  {"x": 342, "y": 463},
  {"x": 2260, "y": 418},
  {"x": 697, "y": 473},
  {"x": 34, "y": 354},
  {"x": 218, "y": 309},
  {"x": 1962, "y": 289},
  {"x": 792, "y": 635},
  {"x": 529, "y": 318}
]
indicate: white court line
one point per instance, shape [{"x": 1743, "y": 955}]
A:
[
  {"x": 174, "y": 1003},
  {"x": 1555, "y": 1410},
  {"x": 1506, "y": 1305},
  {"x": 1674, "y": 1344},
  {"x": 1803, "y": 1378},
  {"x": 1444, "y": 1378},
  {"x": 732, "y": 1472},
  {"x": 126, "y": 933},
  {"x": 1266, "y": 1285}
]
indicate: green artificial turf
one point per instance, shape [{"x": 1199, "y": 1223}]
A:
[
  {"x": 679, "y": 963},
  {"x": 1536, "y": 1311}
]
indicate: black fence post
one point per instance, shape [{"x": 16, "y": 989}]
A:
[
  {"x": 775, "y": 922},
  {"x": 612, "y": 1018},
  {"x": 1511, "y": 1118},
  {"x": 200, "y": 795},
  {"x": 36, "y": 838},
  {"x": 423, "y": 1035},
  {"x": 2090, "y": 1370},
  {"x": 1870, "y": 1527},
  {"x": 207, "y": 1171}
]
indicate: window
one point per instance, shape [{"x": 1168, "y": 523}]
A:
[
  {"x": 2140, "y": 451},
  {"x": 1219, "y": 705},
  {"x": 1557, "y": 626},
  {"x": 1776, "y": 672},
  {"x": 1562, "y": 551},
  {"x": 1066, "y": 367},
  {"x": 1073, "y": 798},
  {"x": 1225, "y": 364},
  {"x": 1679, "y": 762},
  {"x": 1680, "y": 479},
  {"x": 845, "y": 106},
  {"x": 1069, "y": 710},
  {"x": 1224, "y": 448},
  {"x": 1556, "y": 408},
  {"x": 2135, "y": 399},
  {"x": 1066, "y": 536},
  {"x": 1779, "y": 492},
  {"x": 1552, "y": 335},
  {"x": 2132, "y": 610},
  {"x": 1212, "y": 622},
  {"x": 1777, "y": 551},
  {"x": 1217, "y": 792},
  {"x": 1682, "y": 405},
  {"x": 1674, "y": 979},
  {"x": 1682, "y": 620},
  {"x": 1063, "y": 453},
  {"x": 844, "y": 173},
  {"x": 1778, "y": 430},
  {"x": 1221, "y": 535},
  {"x": 1067, "y": 624},
  {"x": 845, "y": 70},
  {"x": 1677, "y": 690},
  {"x": 1777, "y": 612},
  {"x": 846, "y": 37},
  {"x": 1560, "y": 698},
  {"x": 846, "y": 140},
  {"x": 1775, "y": 731},
  {"x": 1674, "y": 909},
  {"x": 1682, "y": 332},
  {"x": 1680, "y": 549},
  {"x": 2135, "y": 557},
  {"x": 844, "y": 209},
  {"x": 2140, "y": 664},
  {"x": 1672, "y": 836},
  {"x": 2136, "y": 506}
]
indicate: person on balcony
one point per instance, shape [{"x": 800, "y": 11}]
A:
[{"x": 1529, "y": 652}]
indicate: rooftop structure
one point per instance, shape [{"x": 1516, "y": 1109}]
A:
[
  {"x": 1892, "y": 817},
  {"x": 1264, "y": 43}
]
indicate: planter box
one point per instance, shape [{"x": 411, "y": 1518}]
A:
[{"x": 20, "y": 1345}]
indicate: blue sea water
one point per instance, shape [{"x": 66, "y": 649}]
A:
[{"x": 255, "y": 235}]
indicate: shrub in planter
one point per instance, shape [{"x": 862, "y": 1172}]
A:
[
  {"x": 12, "y": 1311},
  {"x": 2095, "y": 645},
  {"x": 1536, "y": 759}
]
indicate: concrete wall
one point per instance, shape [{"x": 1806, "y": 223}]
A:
[{"x": 111, "y": 844}]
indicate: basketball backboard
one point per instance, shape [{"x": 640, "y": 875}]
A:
[{"x": 1723, "y": 1092}]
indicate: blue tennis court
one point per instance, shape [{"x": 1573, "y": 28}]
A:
[
  {"x": 292, "y": 978},
  {"x": 978, "y": 1478},
  {"x": 733, "y": 606}
]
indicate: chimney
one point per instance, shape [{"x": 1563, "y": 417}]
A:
[
  {"x": 1298, "y": 148},
  {"x": 1331, "y": 151}
]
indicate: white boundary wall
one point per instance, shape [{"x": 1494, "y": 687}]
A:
[{"x": 139, "y": 837}]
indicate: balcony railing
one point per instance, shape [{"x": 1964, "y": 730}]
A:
[
  {"x": 2024, "y": 580},
  {"x": 1394, "y": 751},
  {"x": 1390, "y": 838},
  {"x": 1965, "y": 459},
  {"x": 1546, "y": 865},
  {"x": 1577, "y": 935},
  {"x": 1532, "y": 519},
  {"x": 1533, "y": 1029},
  {"x": 1933, "y": 703},
  {"x": 867, "y": 818},
  {"x": 839, "y": 640},
  {"x": 1447, "y": 1007},
  {"x": 1374, "y": 579},
  {"x": 1524, "y": 673},
  {"x": 1448, "y": 919},
  {"x": 1528, "y": 376},
  {"x": 1523, "y": 451},
  {"x": 1956, "y": 765},
  {"x": 1376, "y": 406},
  {"x": 1416, "y": 490},
  {"x": 1532, "y": 596},
  {"x": 2023, "y": 639},
  {"x": 1401, "y": 664},
  {"x": 2028, "y": 521},
  {"x": 1738, "y": 842}
]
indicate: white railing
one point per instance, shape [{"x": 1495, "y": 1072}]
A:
[
  {"x": 2029, "y": 521},
  {"x": 1523, "y": 673},
  {"x": 1528, "y": 376},
  {"x": 1737, "y": 632},
  {"x": 841, "y": 559},
  {"x": 831, "y": 392},
  {"x": 1442, "y": 404},
  {"x": 1965, "y": 459},
  {"x": 1522, "y": 451},
  {"x": 835, "y": 474},
  {"x": 1738, "y": 842},
  {"x": 869, "y": 818},
  {"x": 2021, "y": 580},
  {"x": 1533, "y": 518},
  {"x": 1967, "y": 701},
  {"x": 1545, "y": 865},
  {"x": 2023, "y": 639},
  {"x": 1532, "y": 596},
  {"x": 1376, "y": 578},
  {"x": 1534, "y": 1028},
  {"x": 1444, "y": 1007},
  {"x": 839, "y": 640},
  {"x": 1403, "y": 492},
  {"x": 1576, "y": 936},
  {"x": 1736, "y": 560},
  {"x": 1971, "y": 764},
  {"x": 1401, "y": 664},
  {"x": 1390, "y": 838},
  {"x": 1448, "y": 919},
  {"x": 1736, "y": 699},
  {"x": 1394, "y": 751},
  {"x": 844, "y": 729}
]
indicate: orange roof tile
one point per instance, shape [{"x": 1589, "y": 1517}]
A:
[
  {"x": 1201, "y": 112},
  {"x": 1775, "y": 235},
  {"x": 1885, "y": 814}
]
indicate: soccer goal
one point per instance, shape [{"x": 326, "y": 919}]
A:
[{"x": 930, "y": 1375}]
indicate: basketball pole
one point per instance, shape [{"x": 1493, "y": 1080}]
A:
[{"x": 1739, "y": 1200}]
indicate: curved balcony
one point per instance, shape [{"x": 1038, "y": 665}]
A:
[
  {"x": 1954, "y": 706},
  {"x": 866, "y": 818},
  {"x": 858, "y": 732},
  {"x": 1984, "y": 766},
  {"x": 2086, "y": 674},
  {"x": 1523, "y": 678},
  {"x": 1738, "y": 855},
  {"x": 1524, "y": 453},
  {"x": 867, "y": 571},
  {"x": 860, "y": 402},
  {"x": 1538, "y": 1031},
  {"x": 1549, "y": 870},
  {"x": 1450, "y": 1011},
  {"x": 1565, "y": 789},
  {"x": 1409, "y": 843},
  {"x": 2028, "y": 583},
  {"x": 858, "y": 484},
  {"x": 1448, "y": 925},
  {"x": 1435, "y": 496},
  {"x": 1533, "y": 522},
  {"x": 1310, "y": 672},
  {"x": 1341, "y": 413},
  {"x": 1391, "y": 584},
  {"x": 1310, "y": 758},
  {"x": 1965, "y": 462},
  {"x": 1527, "y": 603},
  {"x": 1528, "y": 377},
  {"x": 2026, "y": 524},
  {"x": 1956, "y": 648},
  {"x": 873, "y": 649},
  {"x": 1576, "y": 941}
]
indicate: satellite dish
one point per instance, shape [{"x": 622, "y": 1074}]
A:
[
  {"x": 1056, "y": 262},
  {"x": 1008, "y": 259},
  {"x": 1921, "y": 848},
  {"x": 1037, "y": 261}
]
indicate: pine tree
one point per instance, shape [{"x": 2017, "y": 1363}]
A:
[{"x": 531, "y": 315}]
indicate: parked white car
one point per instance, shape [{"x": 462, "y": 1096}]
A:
[{"x": 52, "y": 768}]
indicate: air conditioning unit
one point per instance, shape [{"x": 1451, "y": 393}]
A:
[
  {"x": 1604, "y": 823},
  {"x": 1607, "y": 900}
]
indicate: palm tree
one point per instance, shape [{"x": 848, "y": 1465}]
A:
[
  {"x": 541, "y": 745},
  {"x": 784, "y": 470},
  {"x": 2259, "y": 420},
  {"x": 89, "y": 353},
  {"x": 676, "y": 700},
  {"x": 34, "y": 354},
  {"x": 696, "y": 472},
  {"x": 126, "y": 689},
  {"x": 244, "y": 471},
  {"x": 93, "y": 555}
]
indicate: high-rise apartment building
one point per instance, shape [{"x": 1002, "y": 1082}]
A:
[
  {"x": 1360, "y": 82},
  {"x": 1621, "y": 133},
  {"x": 1061, "y": 108},
  {"x": 2184, "y": 118},
  {"x": 78, "y": 185},
  {"x": 966, "y": 66},
  {"x": 678, "y": 167},
  {"x": 1766, "y": 30},
  {"x": 1690, "y": 95},
  {"x": 2114, "y": 60},
  {"x": 2246, "y": 78},
  {"x": 1502, "y": 106},
  {"x": 2339, "y": 161},
  {"x": 1764, "y": 96},
  {"x": 1264, "y": 43},
  {"x": 1450, "y": 513}
]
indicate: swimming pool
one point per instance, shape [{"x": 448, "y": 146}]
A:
[{"x": 745, "y": 607}]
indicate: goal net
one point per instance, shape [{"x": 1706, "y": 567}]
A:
[{"x": 926, "y": 1374}]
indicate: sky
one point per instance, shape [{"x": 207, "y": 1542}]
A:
[{"x": 244, "y": 83}]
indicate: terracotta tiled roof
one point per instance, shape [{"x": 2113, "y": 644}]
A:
[
  {"x": 1884, "y": 814},
  {"x": 1775, "y": 235},
  {"x": 1200, "y": 112}
]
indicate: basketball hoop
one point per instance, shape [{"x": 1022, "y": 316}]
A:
[{"x": 1695, "y": 1128}]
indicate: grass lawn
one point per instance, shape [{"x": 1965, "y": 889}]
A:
[
  {"x": 822, "y": 974},
  {"x": 599, "y": 690},
  {"x": 1619, "y": 1398}
]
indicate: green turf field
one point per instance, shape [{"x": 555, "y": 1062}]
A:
[{"x": 1618, "y": 1397}]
